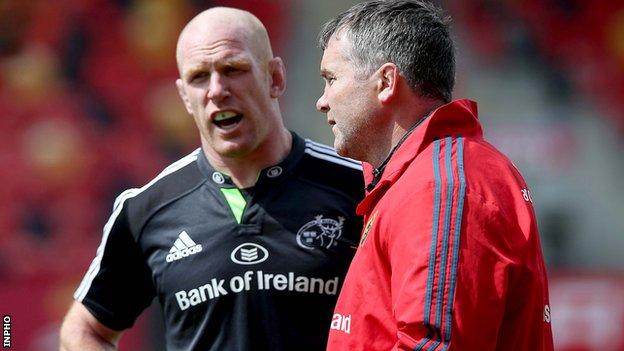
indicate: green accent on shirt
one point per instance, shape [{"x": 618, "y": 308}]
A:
[{"x": 236, "y": 201}]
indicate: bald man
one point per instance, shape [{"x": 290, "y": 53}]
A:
[{"x": 245, "y": 242}]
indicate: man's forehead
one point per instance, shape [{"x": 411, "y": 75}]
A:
[
  {"x": 213, "y": 47},
  {"x": 218, "y": 56},
  {"x": 219, "y": 31},
  {"x": 332, "y": 54},
  {"x": 213, "y": 35},
  {"x": 219, "y": 38}
]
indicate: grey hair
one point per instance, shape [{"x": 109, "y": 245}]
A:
[{"x": 412, "y": 34}]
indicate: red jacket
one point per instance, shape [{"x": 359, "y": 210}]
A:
[{"x": 450, "y": 255}]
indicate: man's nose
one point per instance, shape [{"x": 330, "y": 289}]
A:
[
  {"x": 218, "y": 89},
  {"x": 321, "y": 104}
]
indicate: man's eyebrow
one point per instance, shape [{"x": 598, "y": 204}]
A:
[
  {"x": 232, "y": 61},
  {"x": 326, "y": 73},
  {"x": 191, "y": 71}
]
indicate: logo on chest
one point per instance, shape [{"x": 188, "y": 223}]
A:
[
  {"x": 184, "y": 246},
  {"x": 341, "y": 322},
  {"x": 249, "y": 253},
  {"x": 320, "y": 232}
]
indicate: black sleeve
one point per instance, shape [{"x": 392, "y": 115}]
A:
[{"x": 118, "y": 285}]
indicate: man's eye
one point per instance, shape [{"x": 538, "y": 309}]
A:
[
  {"x": 199, "y": 76},
  {"x": 232, "y": 70},
  {"x": 330, "y": 80}
]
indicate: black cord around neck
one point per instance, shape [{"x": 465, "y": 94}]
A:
[{"x": 378, "y": 172}]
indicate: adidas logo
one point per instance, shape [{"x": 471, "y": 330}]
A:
[{"x": 183, "y": 246}]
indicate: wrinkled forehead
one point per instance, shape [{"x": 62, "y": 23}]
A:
[
  {"x": 218, "y": 36},
  {"x": 212, "y": 38}
]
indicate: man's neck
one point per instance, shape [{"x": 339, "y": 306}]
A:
[
  {"x": 244, "y": 171},
  {"x": 405, "y": 121}
]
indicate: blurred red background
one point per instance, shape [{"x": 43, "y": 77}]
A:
[{"x": 89, "y": 108}]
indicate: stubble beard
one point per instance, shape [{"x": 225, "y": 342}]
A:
[{"x": 349, "y": 144}]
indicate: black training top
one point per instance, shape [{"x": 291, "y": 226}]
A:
[{"x": 258, "y": 269}]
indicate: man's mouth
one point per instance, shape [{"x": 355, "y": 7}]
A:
[{"x": 226, "y": 119}]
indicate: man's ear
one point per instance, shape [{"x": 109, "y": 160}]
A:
[
  {"x": 387, "y": 82},
  {"x": 277, "y": 77},
  {"x": 182, "y": 92}
]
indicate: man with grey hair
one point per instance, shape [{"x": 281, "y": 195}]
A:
[
  {"x": 245, "y": 241},
  {"x": 450, "y": 256}
]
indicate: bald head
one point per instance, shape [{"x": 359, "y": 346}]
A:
[{"x": 231, "y": 24}]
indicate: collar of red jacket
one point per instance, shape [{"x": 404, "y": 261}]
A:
[{"x": 457, "y": 118}]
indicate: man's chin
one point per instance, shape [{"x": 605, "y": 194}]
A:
[
  {"x": 350, "y": 150},
  {"x": 229, "y": 149},
  {"x": 341, "y": 148},
  {"x": 234, "y": 152}
]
